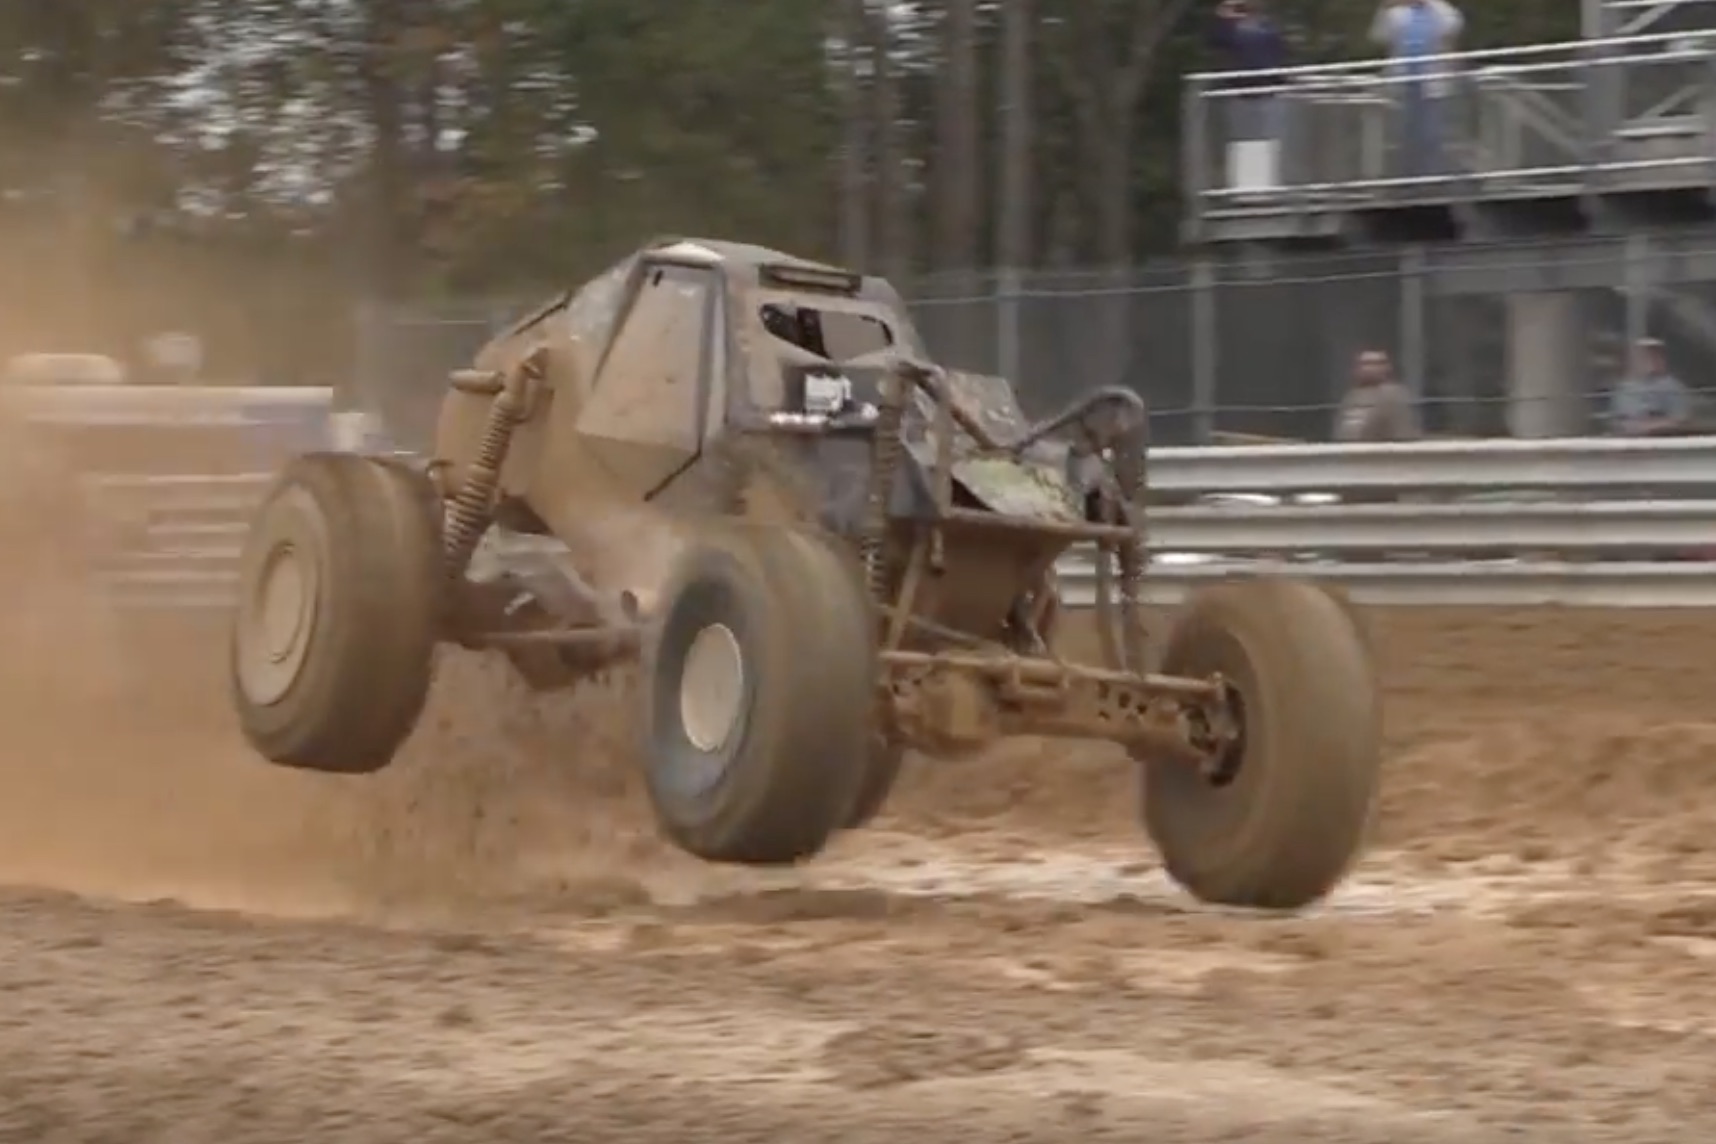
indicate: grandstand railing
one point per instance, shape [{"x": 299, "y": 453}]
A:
[{"x": 1589, "y": 116}]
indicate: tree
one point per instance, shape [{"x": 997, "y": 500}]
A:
[
  {"x": 165, "y": 156},
  {"x": 955, "y": 167},
  {"x": 851, "y": 23},
  {"x": 1013, "y": 211},
  {"x": 893, "y": 173},
  {"x": 1107, "y": 53}
]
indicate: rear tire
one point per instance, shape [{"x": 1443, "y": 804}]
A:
[
  {"x": 880, "y": 774},
  {"x": 773, "y": 620},
  {"x": 1280, "y": 828},
  {"x": 333, "y": 643}
]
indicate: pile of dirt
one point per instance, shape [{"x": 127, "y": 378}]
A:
[
  {"x": 1536, "y": 733},
  {"x": 1576, "y": 735}
]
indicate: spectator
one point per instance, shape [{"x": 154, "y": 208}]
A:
[
  {"x": 1650, "y": 401},
  {"x": 1413, "y": 31},
  {"x": 1251, "y": 41},
  {"x": 1377, "y": 407}
]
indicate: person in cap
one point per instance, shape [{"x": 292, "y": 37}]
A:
[{"x": 1650, "y": 401}]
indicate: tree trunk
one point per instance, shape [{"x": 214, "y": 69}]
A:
[
  {"x": 1113, "y": 189},
  {"x": 384, "y": 99},
  {"x": 1107, "y": 94},
  {"x": 958, "y": 200},
  {"x": 854, "y": 151},
  {"x": 893, "y": 224},
  {"x": 1013, "y": 212}
]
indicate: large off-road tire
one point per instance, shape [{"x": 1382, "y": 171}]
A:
[
  {"x": 759, "y": 678},
  {"x": 881, "y": 772},
  {"x": 1357, "y": 616},
  {"x": 1355, "y": 612},
  {"x": 1286, "y": 816},
  {"x": 1336, "y": 592},
  {"x": 333, "y": 641}
]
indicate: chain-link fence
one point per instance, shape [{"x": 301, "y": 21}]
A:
[
  {"x": 405, "y": 352},
  {"x": 1235, "y": 347}
]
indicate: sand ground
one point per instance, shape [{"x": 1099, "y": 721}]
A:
[{"x": 488, "y": 943}]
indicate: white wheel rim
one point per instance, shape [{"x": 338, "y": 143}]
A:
[
  {"x": 275, "y": 623},
  {"x": 712, "y": 688}
]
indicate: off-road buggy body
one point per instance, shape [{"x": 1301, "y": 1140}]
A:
[{"x": 824, "y": 550}]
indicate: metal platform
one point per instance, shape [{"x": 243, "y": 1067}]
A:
[{"x": 1602, "y": 135}]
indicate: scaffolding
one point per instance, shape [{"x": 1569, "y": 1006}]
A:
[
  {"x": 1609, "y": 19},
  {"x": 1539, "y": 140}
]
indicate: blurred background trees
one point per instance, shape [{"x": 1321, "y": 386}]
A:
[{"x": 250, "y": 170}]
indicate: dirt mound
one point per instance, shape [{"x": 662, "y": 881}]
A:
[
  {"x": 1573, "y": 786},
  {"x": 1581, "y": 736},
  {"x": 1536, "y": 733}
]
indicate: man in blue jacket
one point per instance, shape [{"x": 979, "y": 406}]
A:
[
  {"x": 1251, "y": 41},
  {"x": 1415, "y": 33}
]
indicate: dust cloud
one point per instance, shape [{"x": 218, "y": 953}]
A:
[{"x": 123, "y": 773}]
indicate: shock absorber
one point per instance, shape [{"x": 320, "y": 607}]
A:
[
  {"x": 1130, "y": 452},
  {"x": 886, "y": 448},
  {"x": 471, "y": 510}
]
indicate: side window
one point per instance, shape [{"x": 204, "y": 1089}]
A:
[
  {"x": 846, "y": 336},
  {"x": 650, "y": 383},
  {"x": 590, "y": 315}
]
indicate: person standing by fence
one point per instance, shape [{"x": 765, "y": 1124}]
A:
[
  {"x": 1650, "y": 401},
  {"x": 1250, "y": 40},
  {"x": 1414, "y": 32},
  {"x": 1378, "y": 406}
]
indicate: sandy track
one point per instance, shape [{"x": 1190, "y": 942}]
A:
[{"x": 489, "y": 944}]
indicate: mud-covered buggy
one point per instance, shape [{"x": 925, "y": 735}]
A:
[{"x": 823, "y": 551}]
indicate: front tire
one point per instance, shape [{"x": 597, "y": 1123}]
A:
[
  {"x": 759, "y": 680},
  {"x": 333, "y": 643},
  {"x": 881, "y": 773},
  {"x": 1284, "y": 818}
]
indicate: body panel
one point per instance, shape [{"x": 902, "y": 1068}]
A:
[{"x": 664, "y": 375}]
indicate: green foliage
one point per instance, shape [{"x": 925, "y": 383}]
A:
[{"x": 455, "y": 146}]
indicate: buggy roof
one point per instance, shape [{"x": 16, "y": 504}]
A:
[
  {"x": 734, "y": 256},
  {"x": 744, "y": 260}
]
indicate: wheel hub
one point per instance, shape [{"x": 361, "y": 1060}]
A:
[
  {"x": 1229, "y": 732},
  {"x": 712, "y": 688},
  {"x": 275, "y": 623},
  {"x": 284, "y": 604}
]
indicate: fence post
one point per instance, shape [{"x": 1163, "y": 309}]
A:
[
  {"x": 1414, "y": 348},
  {"x": 1204, "y": 354},
  {"x": 1009, "y": 288},
  {"x": 1635, "y": 273},
  {"x": 1194, "y": 157}
]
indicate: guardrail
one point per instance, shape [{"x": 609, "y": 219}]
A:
[
  {"x": 1571, "y": 464},
  {"x": 1596, "y": 529},
  {"x": 1579, "y": 522}
]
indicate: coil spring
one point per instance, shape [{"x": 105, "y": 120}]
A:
[
  {"x": 1132, "y": 478},
  {"x": 469, "y": 513},
  {"x": 886, "y": 450}
]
